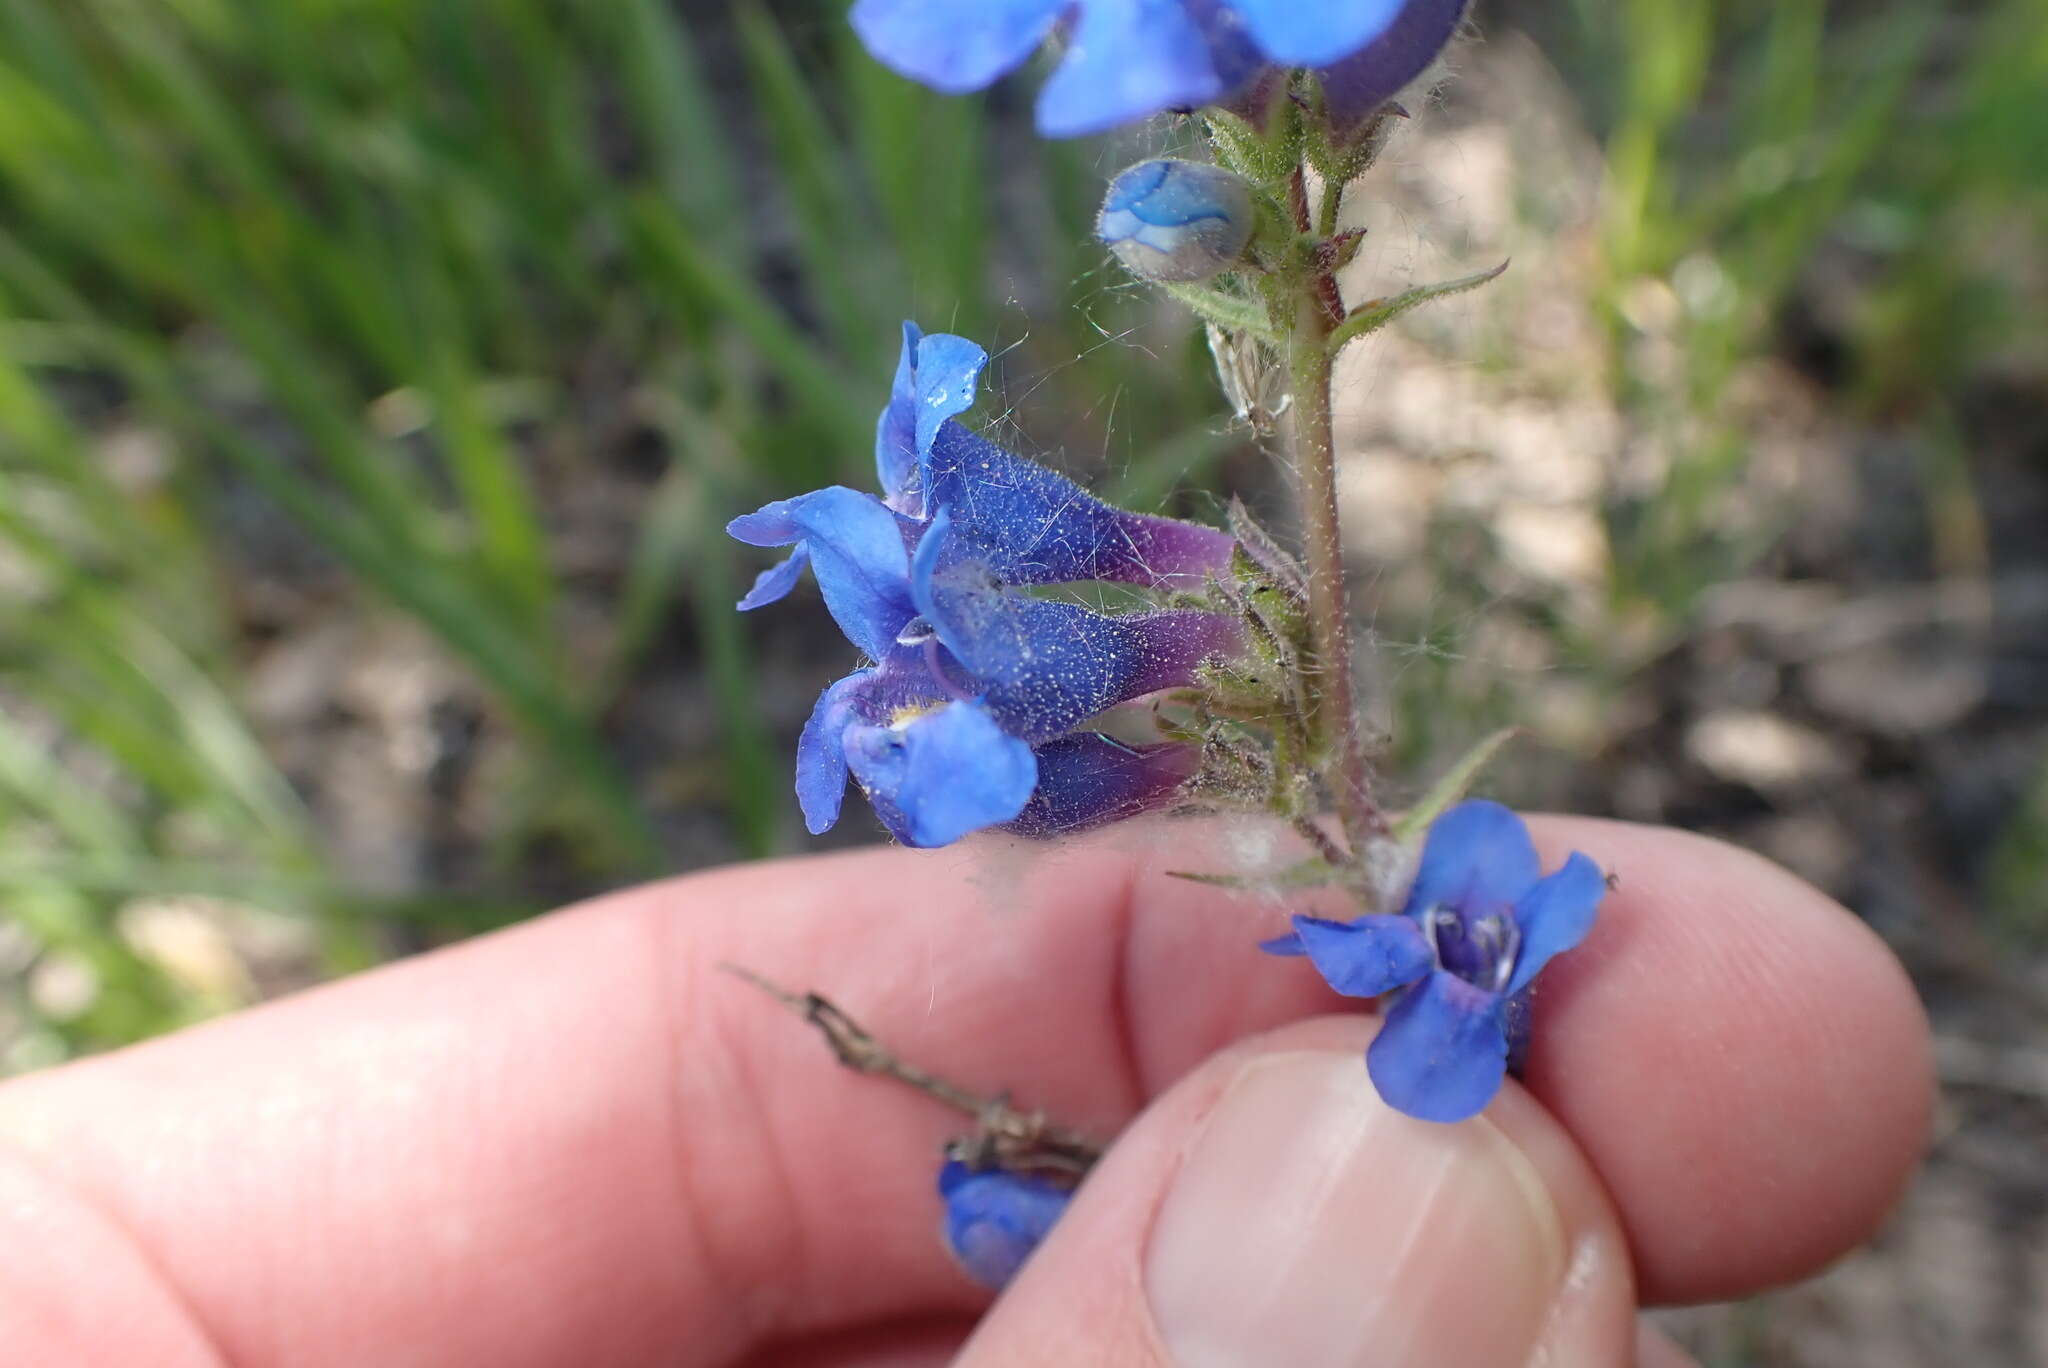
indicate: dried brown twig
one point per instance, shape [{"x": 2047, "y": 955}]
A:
[{"x": 1004, "y": 1137}]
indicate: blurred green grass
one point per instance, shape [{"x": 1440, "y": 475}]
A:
[{"x": 403, "y": 271}]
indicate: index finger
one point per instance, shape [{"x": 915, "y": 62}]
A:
[{"x": 576, "y": 1141}]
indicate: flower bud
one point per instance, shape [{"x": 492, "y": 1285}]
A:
[
  {"x": 994, "y": 1218},
  {"x": 1176, "y": 220}
]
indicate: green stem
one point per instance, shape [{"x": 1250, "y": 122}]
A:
[{"x": 1315, "y": 457}]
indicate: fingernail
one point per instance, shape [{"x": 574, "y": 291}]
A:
[{"x": 1310, "y": 1224}]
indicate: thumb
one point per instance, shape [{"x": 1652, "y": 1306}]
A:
[{"x": 1270, "y": 1209}]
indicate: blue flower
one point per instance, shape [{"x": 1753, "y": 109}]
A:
[
  {"x": 1129, "y": 59},
  {"x": 1168, "y": 219},
  {"x": 968, "y": 717},
  {"x": 1479, "y": 925},
  {"x": 1085, "y": 778},
  {"x": 943, "y": 734},
  {"x": 1026, "y": 524},
  {"x": 995, "y": 1218},
  {"x": 857, "y": 547}
]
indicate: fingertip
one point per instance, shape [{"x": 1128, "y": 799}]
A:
[
  {"x": 1745, "y": 1062},
  {"x": 1271, "y": 1208}
]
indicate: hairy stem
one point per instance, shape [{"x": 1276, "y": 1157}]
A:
[{"x": 1310, "y": 356}]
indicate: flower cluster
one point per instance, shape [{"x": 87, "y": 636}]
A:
[
  {"x": 982, "y": 701},
  {"x": 1128, "y": 59},
  {"x": 1479, "y": 925},
  {"x": 995, "y": 1218},
  {"x": 972, "y": 713}
]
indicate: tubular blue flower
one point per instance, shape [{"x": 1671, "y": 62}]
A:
[
  {"x": 1032, "y": 526},
  {"x": 995, "y": 1218},
  {"x": 1029, "y": 525},
  {"x": 1129, "y": 59},
  {"x": 968, "y": 717},
  {"x": 944, "y": 734},
  {"x": 1480, "y": 923},
  {"x": 1168, "y": 219}
]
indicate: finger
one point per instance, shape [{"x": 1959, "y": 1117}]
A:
[
  {"x": 598, "y": 1145},
  {"x": 611, "y": 1149},
  {"x": 74, "y": 1288},
  {"x": 1746, "y": 1065},
  {"x": 1272, "y": 1209}
]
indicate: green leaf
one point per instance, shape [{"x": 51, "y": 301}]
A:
[
  {"x": 1413, "y": 824},
  {"x": 1232, "y": 311},
  {"x": 1375, "y": 314},
  {"x": 1310, "y": 873}
]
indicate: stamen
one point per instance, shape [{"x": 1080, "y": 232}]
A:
[
  {"x": 1434, "y": 921},
  {"x": 1510, "y": 950}
]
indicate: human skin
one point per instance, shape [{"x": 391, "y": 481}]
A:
[{"x": 577, "y": 1141}]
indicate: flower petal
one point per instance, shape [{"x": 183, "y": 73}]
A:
[
  {"x": 821, "y": 753},
  {"x": 856, "y": 548},
  {"x": 769, "y": 525},
  {"x": 896, "y": 430},
  {"x": 947, "y": 369},
  {"x": 943, "y": 774},
  {"x": 777, "y": 580},
  {"x": 1312, "y": 34},
  {"x": 1555, "y": 915},
  {"x": 1361, "y": 83},
  {"x": 954, "y": 47},
  {"x": 1128, "y": 59},
  {"x": 1086, "y": 779},
  {"x": 1477, "y": 859},
  {"x": 1032, "y": 525},
  {"x": 994, "y": 1219},
  {"x": 1366, "y": 957},
  {"x": 1442, "y": 1054},
  {"x": 935, "y": 379}
]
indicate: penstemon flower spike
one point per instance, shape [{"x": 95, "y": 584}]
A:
[{"x": 986, "y": 701}]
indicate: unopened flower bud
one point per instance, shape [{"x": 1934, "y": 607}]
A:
[
  {"x": 994, "y": 1219},
  {"x": 1176, "y": 220}
]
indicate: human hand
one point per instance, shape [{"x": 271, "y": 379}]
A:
[{"x": 575, "y": 1142}]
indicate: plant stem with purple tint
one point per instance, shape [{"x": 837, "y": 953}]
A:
[{"x": 1310, "y": 360}]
